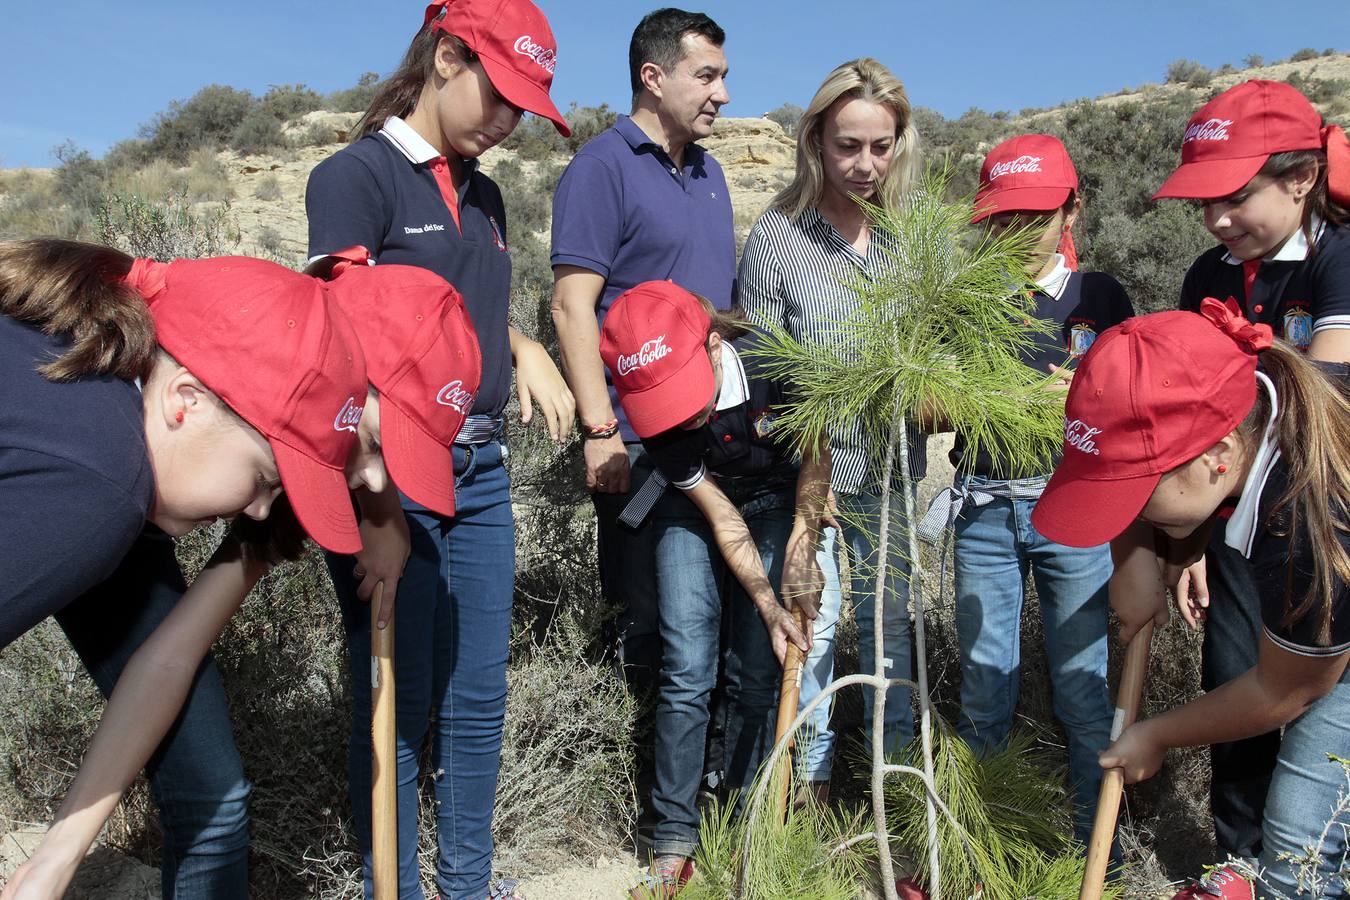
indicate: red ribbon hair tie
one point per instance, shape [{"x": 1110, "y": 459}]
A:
[
  {"x": 345, "y": 259},
  {"x": 1229, "y": 319},
  {"x": 434, "y": 9},
  {"x": 147, "y": 277},
  {"x": 1338, "y": 163}
]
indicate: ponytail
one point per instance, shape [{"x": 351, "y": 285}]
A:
[
  {"x": 1313, "y": 433},
  {"x": 728, "y": 324},
  {"x": 398, "y": 94},
  {"x": 73, "y": 288}
]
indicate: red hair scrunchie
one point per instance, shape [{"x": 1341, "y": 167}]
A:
[
  {"x": 1228, "y": 318},
  {"x": 1337, "y": 148},
  {"x": 344, "y": 259},
  {"x": 147, "y": 277}
]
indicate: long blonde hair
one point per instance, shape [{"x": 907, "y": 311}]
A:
[{"x": 863, "y": 79}]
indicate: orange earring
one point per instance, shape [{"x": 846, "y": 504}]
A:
[
  {"x": 1222, "y": 469},
  {"x": 178, "y": 417}
]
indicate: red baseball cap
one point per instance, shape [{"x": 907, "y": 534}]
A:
[
  {"x": 422, "y": 356},
  {"x": 1228, "y": 139},
  {"x": 264, "y": 340},
  {"x": 1153, "y": 393},
  {"x": 1030, "y": 172},
  {"x": 514, "y": 44},
  {"x": 654, "y": 343}
]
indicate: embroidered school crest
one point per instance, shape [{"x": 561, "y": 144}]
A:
[
  {"x": 764, "y": 422},
  {"x": 1298, "y": 328},
  {"x": 1081, "y": 338},
  {"x": 497, "y": 233}
]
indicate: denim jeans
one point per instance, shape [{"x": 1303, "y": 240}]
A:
[
  {"x": 860, "y": 518},
  {"x": 1304, "y": 791},
  {"x": 452, "y": 625},
  {"x": 196, "y": 775},
  {"x": 625, "y": 562},
  {"x": 691, "y": 582},
  {"x": 995, "y": 546},
  {"x": 1240, "y": 770}
]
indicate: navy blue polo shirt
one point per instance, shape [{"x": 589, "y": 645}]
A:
[
  {"x": 624, "y": 210},
  {"x": 75, "y": 479},
  {"x": 1296, "y": 293},
  {"x": 380, "y": 193},
  {"x": 1081, "y": 305}
]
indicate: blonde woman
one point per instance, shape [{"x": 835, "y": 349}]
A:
[{"x": 856, "y": 141}]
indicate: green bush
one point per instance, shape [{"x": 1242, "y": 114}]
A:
[
  {"x": 355, "y": 99},
  {"x": 165, "y": 230},
  {"x": 208, "y": 119},
  {"x": 257, "y": 133},
  {"x": 787, "y": 116},
  {"x": 1188, "y": 71},
  {"x": 288, "y": 102},
  {"x": 1304, "y": 55},
  {"x": 79, "y": 177},
  {"x": 1253, "y": 61}
]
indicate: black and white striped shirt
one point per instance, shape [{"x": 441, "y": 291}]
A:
[{"x": 795, "y": 274}]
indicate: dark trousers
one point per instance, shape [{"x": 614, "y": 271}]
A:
[
  {"x": 627, "y": 558},
  {"x": 196, "y": 775},
  {"x": 1241, "y": 770}
]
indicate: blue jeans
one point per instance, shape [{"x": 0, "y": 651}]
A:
[
  {"x": 452, "y": 625},
  {"x": 995, "y": 546},
  {"x": 1304, "y": 791},
  {"x": 196, "y": 775},
  {"x": 860, "y": 517},
  {"x": 691, "y": 582}
]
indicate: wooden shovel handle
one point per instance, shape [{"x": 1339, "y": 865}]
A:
[
  {"x": 1113, "y": 782},
  {"x": 789, "y": 694},
  {"x": 383, "y": 762}
]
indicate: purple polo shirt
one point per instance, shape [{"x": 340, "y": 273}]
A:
[{"x": 623, "y": 209}]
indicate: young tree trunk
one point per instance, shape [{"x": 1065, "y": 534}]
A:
[{"x": 879, "y": 664}]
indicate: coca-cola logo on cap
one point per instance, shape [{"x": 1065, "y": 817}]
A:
[
  {"x": 1023, "y": 163},
  {"x": 1082, "y": 436},
  {"x": 348, "y": 417},
  {"x": 1208, "y": 130},
  {"x": 649, "y": 353},
  {"x": 456, "y": 397},
  {"x": 544, "y": 57}
]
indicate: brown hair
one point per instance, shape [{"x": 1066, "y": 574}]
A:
[
  {"x": 69, "y": 287},
  {"x": 1313, "y": 432},
  {"x": 1318, "y": 203},
  {"x": 729, "y": 324},
  {"x": 398, "y": 94}
]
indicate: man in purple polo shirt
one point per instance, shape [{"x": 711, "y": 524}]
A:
[{"x": 640, "y": 202}]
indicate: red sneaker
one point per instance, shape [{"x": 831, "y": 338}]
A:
[
  {"x": 908, "y": 889},
  {"x": 667, "y": 878},
  {"x": 1227, "y": 883}
]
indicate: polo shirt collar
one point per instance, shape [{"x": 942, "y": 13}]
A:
[
  {"x": 413, "y": 146},
  {"x": 1294, "y": 249},
  {"x": 639, "y": 140},
  {"x": 1053, "y": 285},
  {"x": 735, "y": 387},
  {"x": 1242, "y": 527}
]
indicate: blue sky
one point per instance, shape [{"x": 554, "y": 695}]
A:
[{"x": 91, "y": 72}]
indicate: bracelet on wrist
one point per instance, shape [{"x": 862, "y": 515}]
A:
[{"x": 601, "y": 431}]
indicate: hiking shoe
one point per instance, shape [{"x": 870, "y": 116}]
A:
[
  {"x": 1227, "y": 883},
  {"x": 908, "y": 889},
  {"x": 667, "y": 878}
]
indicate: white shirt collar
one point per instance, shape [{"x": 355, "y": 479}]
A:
[
  {"x": 1294, "y": 249},
  {"x": 411, "y": 144},
  {"x": 735, "y": 389},
  {"x": 1242, "y": 527},
  {"x": 1052, "y": 285}
]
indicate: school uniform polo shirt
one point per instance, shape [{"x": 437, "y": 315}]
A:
[
  {"x": 75, "y": 479},
  {"x": 1081, "y": 305},
  {"x": 1282, "y": 561},
  {"x": 740, "y": 443},
  {"x": 381, "y": 192},
  {"x": 1296, "y": 293},
  {"x": 625, "y": 211}
]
